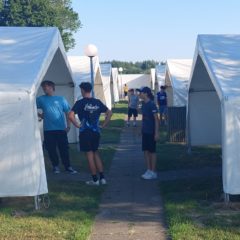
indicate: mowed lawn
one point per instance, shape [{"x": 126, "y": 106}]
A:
[
  {"x": 194, "y": 206},
  {"x": 73, "y": 205}
]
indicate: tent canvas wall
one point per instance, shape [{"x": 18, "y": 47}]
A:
[
  {"x": 106, "y": 72},
  {"x": 81, "y": 71},
  {"x": 115, "y": 80},
  {"x": 152, "y": 78},
  {"x": 177, "y": 79},
  {"x": 160, "y": 74},
  {"x": 213, "y": 104},
  {"x": 136, "y": 80},
  {"x": 26, "y": 56}
]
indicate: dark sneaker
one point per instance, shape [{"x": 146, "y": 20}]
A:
[
  {"x": 71, "y": 170},
  {"x": 56, "y": 170}
]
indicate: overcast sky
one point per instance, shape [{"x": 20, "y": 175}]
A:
[{"x": 137, "y": 30}]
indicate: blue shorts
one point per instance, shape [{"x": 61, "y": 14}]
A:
[{"x": 163, "y": 109}]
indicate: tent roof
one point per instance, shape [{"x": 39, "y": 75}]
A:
[
  {"x": 178, "y": 73},
  {"x": 106, "y": 69},
  {"x": 221, "y": 57},
  {"x": 80, "y": 66},
  {"x": 160, "y": 73},
  {"x": 26, "y": 54}
]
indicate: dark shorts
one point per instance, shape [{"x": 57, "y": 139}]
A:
[
  {"x": 132, "y": 111},
  {"x": 163, "y": 110},
  {"x": 89, "y": 141},
  {"x": 125, "y": 94},
  {"x": 148, "y": 143}
]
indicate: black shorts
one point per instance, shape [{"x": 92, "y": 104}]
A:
[
  {"x": 125, "y": 94},
  {"x": 132, "y": 111},
  {"x": 89, "y": 141},
  {"x": 148, "y": 142}
]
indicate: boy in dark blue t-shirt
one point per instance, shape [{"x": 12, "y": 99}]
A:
[
  {"x": 150, "y": 132},
  {"x": 89, "y": 110},
  {"x": 162, "y": 104}
]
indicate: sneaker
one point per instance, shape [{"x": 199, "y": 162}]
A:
[
  {"x": 147, "y": 174},
  {"x": 92, "y": 183},
  {"x": 71, "y": 170},
  {"x": 56, "y": 170},
  {"x": 103, "y": 181},
  {"x": 154, "y": 175},
  {"x": 134, "y": 124},
  {"x": 128, "y": 124}
]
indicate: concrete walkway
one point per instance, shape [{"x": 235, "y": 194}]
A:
[{"x": 131, "y": 208}]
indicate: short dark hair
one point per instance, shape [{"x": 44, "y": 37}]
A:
[
  {"x": 48, "y": 83},
  {"x": 86, "y": 86}
]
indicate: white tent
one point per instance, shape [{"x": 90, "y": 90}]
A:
[
  {"x": 176, "y": 80},
  {"x": 28, "y": 55},
  {"x": 106, "y": 72},
  {"x": 214, "y": 102},
  {"x": 153, "y": 78},
  {"x": 81, "y": 71},
  {"x": 160, "y": 74},
  {"x": 115, "y": 83},
  {"x": 136, "y": 80}
]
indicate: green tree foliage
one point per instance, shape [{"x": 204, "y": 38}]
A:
[
  {"x": 36, "y": 13},
  {"x": 134, "y": 68}
]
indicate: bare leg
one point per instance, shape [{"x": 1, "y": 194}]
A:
[
  {"x": 153, "y": 159},
  {"x": 98, "y": 162},
  {"x": 91, "y": 163},
  {"x": 147, "y": 159}
]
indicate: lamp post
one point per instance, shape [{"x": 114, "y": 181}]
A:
[
  {"x": 120, "y": 70},
  {"x": 91, "y": 51}
]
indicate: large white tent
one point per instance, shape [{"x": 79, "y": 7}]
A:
[
  {"x": 214, "y": 102},
  {"x": 28, "y": 55},
  {"x": 153, "y": 78},
  {"x": 81, "y": 71},
  {"x": 135, "y": 80},
  {"x": 115, "y": 83},
  {"x": 177, "y": 80},
  {"x": 106, "y": 72}
]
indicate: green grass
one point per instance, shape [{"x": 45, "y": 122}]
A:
[
  {"x": 73, "y": 204},
  {"x": 194, "y": 207}
]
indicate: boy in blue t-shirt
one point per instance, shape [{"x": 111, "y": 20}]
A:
[
  {"x": 162, "y": 104},
  {"x": 54, "y": 115}
]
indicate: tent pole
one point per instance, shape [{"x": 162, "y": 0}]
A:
[
  {"x": 226, "y": 198},
  {"x": 37, "y": 201}
]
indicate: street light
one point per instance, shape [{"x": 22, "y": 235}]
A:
[
  {"x": 91, "y": 51},
  {"x": 120, "y": 70}
]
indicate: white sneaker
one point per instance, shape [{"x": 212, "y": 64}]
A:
[
  {"x": 147, "y": 174},
  {"x": 134, "y": 124},
  {"x": 103, "y": 181},
  {"x": 154, "y": 175},
  {"x": 92, "y": 183},
  {"x": 128, "y": 124}
]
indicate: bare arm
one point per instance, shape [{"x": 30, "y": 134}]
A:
[
  {"x": 108, "y": 116},
  {"x": 156, "y": 122},
  {"x": 72, "y": 119}
]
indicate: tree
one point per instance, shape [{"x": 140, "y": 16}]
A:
[{"x": 37, "y": 13}]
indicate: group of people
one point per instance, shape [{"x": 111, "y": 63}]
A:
[{"x": 57, "y": 117}]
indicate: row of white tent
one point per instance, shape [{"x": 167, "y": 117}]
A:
[{"x": 208, "y": 85}]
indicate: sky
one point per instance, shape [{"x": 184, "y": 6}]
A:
[{"x": 138, "y": 30}]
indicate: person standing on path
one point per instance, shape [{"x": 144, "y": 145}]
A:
[
  {"x": 55, "y": 116},
  {"x": 162, "y": 104},
  {"x": 133, "y": 101},
  {"x": 125, "y": 91},
  {"x": 89, "y": 110},
  {"x": 150, "y": 132}
]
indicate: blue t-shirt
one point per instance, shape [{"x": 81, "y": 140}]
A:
[
  {"x": 54, "y": 109},
  {"x": 162, "y": 98},
  {"x": 148, "y": 122},
  {"x": 89, "y": 111}
]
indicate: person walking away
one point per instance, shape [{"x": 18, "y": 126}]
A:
[
  {"x": 125, "y": 91},
  {"x": 150, "y": 132},
  {"x": 55, "y": 126},
  {"x": 133, "y": 101},
  {"x": 162, "y": 104},
  {"x": 89, "y": 110}
]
